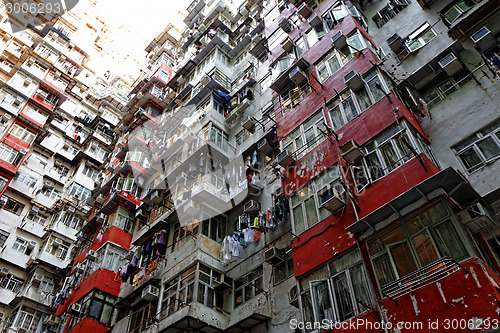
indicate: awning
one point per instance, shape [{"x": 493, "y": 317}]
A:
[{"x": 449, "y": 180}]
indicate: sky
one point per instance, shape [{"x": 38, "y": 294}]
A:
[{"x": 146, "y": 17}]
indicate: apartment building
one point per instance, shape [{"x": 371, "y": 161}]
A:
[
  {"x": 276, "y": 165},
  {"x": 57, "y": 121}
]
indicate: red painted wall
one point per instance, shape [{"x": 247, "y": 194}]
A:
[
  {"x": 101, "y": 279},
  {"x": 114, "y": 235},
  {"x": 88, "y": 326},
  {"x": 461, "y": 297},
  {"x": 329, "y": 238}
]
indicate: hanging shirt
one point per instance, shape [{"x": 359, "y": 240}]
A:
[
  {"x": 227, "y": 246},
  {"x": 256, "y": 236},
  {"x": 248, "y": 235},
  {"x": 238, "y": 250}
]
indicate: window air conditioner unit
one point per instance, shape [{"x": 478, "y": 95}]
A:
[
  {"x": 251, "y": 206},
  {"x": 279, "y": 192},
  {"x": 140, "y": 213},
  {"x": 91, "y": 255},
  {"x": 304, "y": 10},
  {"x": 47, "y": 184},
  {"x": 484, "y": 39},
  {"x": 38, "y": 277},
  {"x": 351, "y": 152},
  {"x": 315, "y": 21},
  {"x": 155, "y": 197},
  {"x": 205, "y": 80},
  {"x": 285, "y": 24},
  {"x": 264, "y": 146},
  {"x": 293, "y": 297},
  {"x": 150, "y": 293},
  {"x": 478, "y": 219},
  {"x": 353, "y": 80},
  {"x": 6, "y": 117},
  {"x": 101, "y": 218},
  {"x": 248, "y": 123},
  {"x": 67, "y": 144},
  {"x": 339, "y": 40},
  {"x": 75, "y": 308},
  {"x": 287, "y": 44},
  {"x": 32, "y": 244},
  {"x": 297, "y": 75},
  {"x": 223, "y": 283},
  {"x": 58, "y": 241},
  {"x": 71, "y": 209},
  {"x": 450, "y": 64},
  {"x": 273, "y": 256},
  {"x": 101, "y": 198},
  {"x": 285, "y": 159},
  {"x": 4, "y": 271},
  {"x": 333, "y": 197},
  {"x": 57, "y": 163}
]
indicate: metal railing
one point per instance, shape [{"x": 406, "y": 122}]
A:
[{"x": 422, "y": 277}]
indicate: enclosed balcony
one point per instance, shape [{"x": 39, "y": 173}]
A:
[{"x": 46, "y": 98}]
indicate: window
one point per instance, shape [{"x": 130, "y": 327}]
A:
[
  {"x": 99, "y": 152},
  {"x": 181, "y": 234},
  {"x": 216, "y": 135},
  {"x": 388, "y": 12},
  {"x": 480, "y": 149},
  {"x": 3, "y": 237},
  {"x": 306, "y": 202},
  {"x": 110, "y": 257},
  {"x": 129, "y": 184},
  {"x": 122, "y": 219},
  {"x": 92, "y": 173},
  {"x": 57, "y": 247},
  {"x": 214, "y": 228},
  {"x": 292, "y": 97},
  {"x": 97, "y": 306},
  {"x": 79, "y": 192},
  {"x": 276, "y": 38},
  {"x": 388, "y": 151},
  {"x": 27, "y": 319},
  {"x": 142, "y": 318},
  {"x": 337, "y": 12},
  {"x": 350, "y": 104},
  {"x": 137, "y": 156},
  {"x": 248, "y": 286},
  {"x": 72, "y": 221},
  {"x": 11, "y": 283},
  {"x": 10, "y": 155},
  {"x": 46, "y": 285},
  {"x": 35, "y": 114},
  {"x": 26, "y": 179},
  {"x": 52, "y": 193},
  {"x": 333, "y": 61},
  {"x": 414, "y": 243},
  {"x": 443, "y": 86},
  {"x": 450, "y": 15},
  {"x": 23, "y": 246},
  {"x": 306, "y": 137},
  {"x": 420, "y": 37},
  {"x": 22, "y": 133},
  {"x": 187, "y": 288},
  {"x": 285, "y": 269},
  {"x": 3, "y": 183},
  {"x": 241, "y": 137},
  {"x": 330, "y": 293},
  {"x": 12, "y": 205}
]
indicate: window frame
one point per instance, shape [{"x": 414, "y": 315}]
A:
[{"x": 255, "y": 288}]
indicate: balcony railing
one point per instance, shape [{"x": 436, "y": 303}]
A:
[{"x": 422, "y": 277}]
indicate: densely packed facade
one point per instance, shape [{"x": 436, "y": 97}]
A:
[{"x": 279, "y": 167}]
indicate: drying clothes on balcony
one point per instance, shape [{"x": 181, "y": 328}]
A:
[
  {"x": 249, "y": 234},
  {"x": 255, "y": 161},
  {"x": 256, "y": 236},
  {"x": 226, "y": 248}
]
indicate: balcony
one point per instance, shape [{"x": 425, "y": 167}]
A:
[
  {"x": 34, "y": 116},
  {"x": 11, "y": 102},
  {"x": 33, "y": 227},
  {"x": 45, "y": 98},
  {"x": 433, "y": 291},
  {"x": 30, "y": 292},
  {"x": 14, "y": 50},
  {"x": 155, "y": 269}
]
